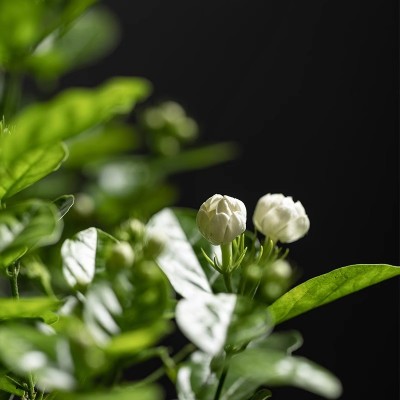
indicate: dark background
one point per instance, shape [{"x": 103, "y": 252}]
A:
[{"x": 309, "y": 90}]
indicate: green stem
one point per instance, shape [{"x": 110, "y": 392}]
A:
[
  {"x": 226, "y": 252},
  {"x": 13, "y": 272},
  {"x": 31, "y": 387},
  {"x": 221, "y": 383},
  {"x": 228, "y": 282}
]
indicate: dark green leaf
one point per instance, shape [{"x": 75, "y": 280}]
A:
[
  {"x": 25, "y": 226},
  {"x": 85, "y": 40},
  {"x": 8, "y": 385},
  {"x": 101, "y": 143},
  {"x": 193, "y": 159},
  {"x": 275, "y": 368},
  {"x": 288, "y": 341},
  {"x": 328, "y": 287}
]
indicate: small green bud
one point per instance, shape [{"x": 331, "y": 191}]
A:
[
  {"x": 155, "y": 241},
  {"x": 121, "y": 256}
]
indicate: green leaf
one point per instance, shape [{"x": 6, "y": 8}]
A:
[
  {"x": 133, "y": 341},
  {"x": 32, "y": 166},
  {"x": 85, "y": 40},
  {"x": 195, "y": 379},
  {"x": 262, "y": 394},
  {"x": 8, "y": 385},
  {"x": 275, "y": 368},
  {"x": 24, "y": 350},
  {"x": 328, "y": 287},
  {"x": 148, "y": 392},
  {"x": 26, "y": 226},
  {"x": 100, "y": 144},
  {"x": 194, "y": 159},
  {"x": 82, "y": 254},
  {"x": 288, "y": 341},
  {"x": 34, "y": 307},
  {"x": 178, "y": 260},
  {"x": 64, "y": 203},
  {"x": 70, "y": 113},
  {"x": 212, "y": 322}
]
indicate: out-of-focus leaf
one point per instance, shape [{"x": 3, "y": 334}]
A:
[
  {"x": 35, "y": 269},
  {"x": 85, "y": 40},
  {"x": 196, "y": 380},
  {"x": 262, "y": 394},
  {"x": 328, "y": 287},
  {"x": 145, "y": 392},
  {"x": 34, "y": 307},
  {"x": 213, "y": 322},
  {"x": 70, "y": 113},
  {"x": 133, "y": 341},
  {"x": 64, "y": 203},
  {"x": 24, "y": 350},
  {"x": 193, "y": 159},
  {"x": 288, "y": 341},
  {"x": 178, "y": 260},
  {"x": 35, "y": 164},
  {"x": 275, "y": 368},
  {"x": 25, "y": 226},
  {"x": 101, "y": 143},
  {"x": 82, "y": 254}
]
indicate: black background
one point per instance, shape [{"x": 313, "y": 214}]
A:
[{"x": 309, "y": 91}]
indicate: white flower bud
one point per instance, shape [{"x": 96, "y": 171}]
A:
[
  {"x": 221, "y": 219},
  {"x": 280, "y": 218}
]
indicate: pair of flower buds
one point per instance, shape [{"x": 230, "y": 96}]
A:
[{"x": 221, "y": 219}]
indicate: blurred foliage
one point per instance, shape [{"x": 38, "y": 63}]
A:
[{"x": 97, "y": 268}]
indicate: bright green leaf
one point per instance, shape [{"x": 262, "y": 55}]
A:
[
  {"x": 275, "y": 368},
  {"x": 32, "y": 166},
  {"x": 148, "y": 392},
  {"x": 26, "y": 226},
  {"x": 328, "y": 287},
  {"x": 73, "y": 111},
  {"x": 34, "y": 307},
  {"x": 133, "y": 341}
]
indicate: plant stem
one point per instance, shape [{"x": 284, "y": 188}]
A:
[
  {"x": 13, "y": 272},
  {"x": 221, "y": 383},
  {"x": 31, "y": 387},
  {"x": 226, "y": 252}
]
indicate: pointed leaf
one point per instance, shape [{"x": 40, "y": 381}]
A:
[
  {"x": 26, "y": 226},
  {"x": 8, "y": 385},
  {"x": 328, "y": 287},
  {"x": 178, "y": 260},
  {"x": 275, "y": 368}
]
